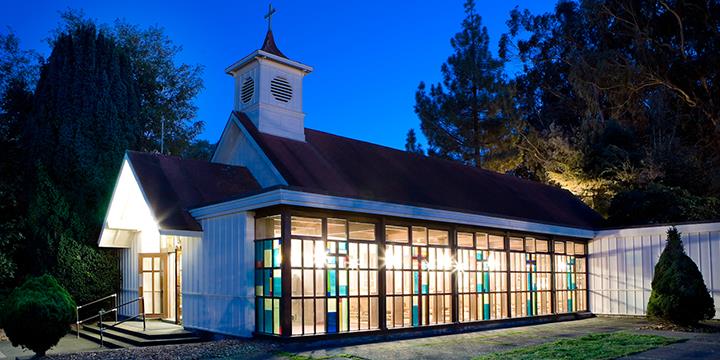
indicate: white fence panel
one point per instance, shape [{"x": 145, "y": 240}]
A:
[{"x": 622, "y": 264}]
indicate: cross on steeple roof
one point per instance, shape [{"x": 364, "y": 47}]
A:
[{"x": 269, "y": 15}]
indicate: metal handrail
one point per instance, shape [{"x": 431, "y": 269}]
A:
[
  {"x": 115, "y": 309},
  {"x": 78, "y": 322}
]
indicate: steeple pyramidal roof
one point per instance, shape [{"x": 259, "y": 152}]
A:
[{"x": 269, "y": 45}]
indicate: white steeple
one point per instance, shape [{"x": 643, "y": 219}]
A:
[{"x": 268, "y": 88}]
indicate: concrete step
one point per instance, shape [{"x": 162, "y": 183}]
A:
[
  {"x": 135, "y": 339},
  {"x": 107, "y": 342},
  {"x": 152, "y": 332}
]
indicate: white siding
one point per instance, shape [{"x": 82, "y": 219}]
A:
[
  {"x": 129, "y": 286},
  {"x": 218, "y": 276},
  {"x": 622, "y": 263}
]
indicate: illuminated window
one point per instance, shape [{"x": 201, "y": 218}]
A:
[
  {"x": 530, "y": 281},
  {"x": 482, "y": 282},
  {"x": 418, "y": 278},
  {"x": 396, "y": 234},
  {"x": 570, "y": 279},
  {"x": 268, "y": 285},
  {"x": 267, "y": 227},
  {"x": 465, "y": 239},
  {"x": 362, "y": 231},
  {"x": 306, "y": 226},
  {"x": 334, "y": 281}
]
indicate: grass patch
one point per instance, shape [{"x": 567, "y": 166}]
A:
[
  {"x": 588, "y": 347},
  {"x": 292, "y": 356}
]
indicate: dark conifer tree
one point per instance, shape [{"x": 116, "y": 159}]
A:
[
  {"x": 86, "y": 115},
  {"x": 469, "y": 116},
  {"x": 679, "y": 294},
  {"x": 411, "y": 144}
]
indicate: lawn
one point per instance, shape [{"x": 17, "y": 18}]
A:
[{"x": 588, "y": 347}]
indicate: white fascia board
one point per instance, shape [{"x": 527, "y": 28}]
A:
[
  {"x": 263, "y": 54},
  {"x": 320, "y": 201},
  {"x": 659, "y": 229},
  {"x": 184, "y": 233}
]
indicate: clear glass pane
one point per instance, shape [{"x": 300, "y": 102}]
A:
[
  {"x": 297, "y": 328},
  {"x": 267, "y": 227},
  {"x": 296, "y": 253},
  {"x": 337, "y": 229},
  {"x": 306, "y": 226},
  {"x": 437, "y": 237},
  {"x": 396, "y": 233},
  {"x": 419, "y": 235},
  {"x": 362, "y": 231},
  {"x": 496, "y": 242},
  {"x": 465, "y": 239}
]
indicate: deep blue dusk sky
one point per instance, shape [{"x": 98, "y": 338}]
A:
[{"x": 368, "y": 56}]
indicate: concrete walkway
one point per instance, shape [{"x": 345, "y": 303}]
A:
[
  {"x": 68, "y": 344},
  {"x": 469, "y": 345},
  {"x": 447, "y": 347}
]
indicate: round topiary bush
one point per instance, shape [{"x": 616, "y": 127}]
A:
[
  {"x": 679, "y": 294},
  {"x": 37, "y": 314}
]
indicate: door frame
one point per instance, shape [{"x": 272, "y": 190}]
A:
[{"x": 163, "y": 280}]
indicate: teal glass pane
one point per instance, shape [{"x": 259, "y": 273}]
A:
[
  {"x": 259, "y": 254},
  {"x": 415, "y": 316},
  {"x": 486, "y": 282},
  {"x": 277, "y": 284},
  {"x": 276, "y": 256},
  {"x": 416, "y": 282},
  {"x": 267, "y": 277},
  {"x": 479, "y": 256},
  {"x": 331, "y": 283},
  {"x": 259, "y": 316},
  {"x": 342, "y": 248}
]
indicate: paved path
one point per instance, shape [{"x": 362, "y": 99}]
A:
[
  {"x": 469, "y": 345},
  {"x": 68, "y": 344},
  {"x": 447, "y": 347}
]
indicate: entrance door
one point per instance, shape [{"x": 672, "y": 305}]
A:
[
  {"x": 153, "y": 269},
  {"x": 178, "y": 285}
]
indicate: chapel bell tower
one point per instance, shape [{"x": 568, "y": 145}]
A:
[{"x": 268, "y": 88}]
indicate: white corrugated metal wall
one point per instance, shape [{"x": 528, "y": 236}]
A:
[
  {"x": 622, "y": 263},
  {"x": 218, "y": 276}
]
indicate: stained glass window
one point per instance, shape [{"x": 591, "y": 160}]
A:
[
  {"x": 418, "y": 278},
  {"x": 268, "y": 285},
  {"x": 530, "y": 281},
  {"x": 482, "y": 282},
  {"x": 570, "y": 279},
  {"x": 334, "y": 281}
]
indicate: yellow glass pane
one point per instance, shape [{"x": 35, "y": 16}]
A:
[{"x": 419, "y": 235}]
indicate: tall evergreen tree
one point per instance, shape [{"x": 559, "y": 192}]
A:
[
  {"x": 469, "y": 117},
  {"x": 86, "y": 115},
  {"x": 18, "y": 73},
  {"x": 411, "y": 143}
]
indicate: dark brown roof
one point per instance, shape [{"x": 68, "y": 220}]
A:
[
  {"x": 341, "y": 166},
  {"x": 270, "y": 46},
  {"x": 174, "y": 185}
]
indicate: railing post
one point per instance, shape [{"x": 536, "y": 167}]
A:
[
  {"x": 77, "y": 321},
  {"x": 142, "y": 310},
  {"x": 102, "y": 312},
  {"x": 117, "y": 310}
]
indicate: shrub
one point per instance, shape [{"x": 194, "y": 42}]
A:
[
  {"x": 38, "y": 313},
  {"x": 679, "y": 294}
]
